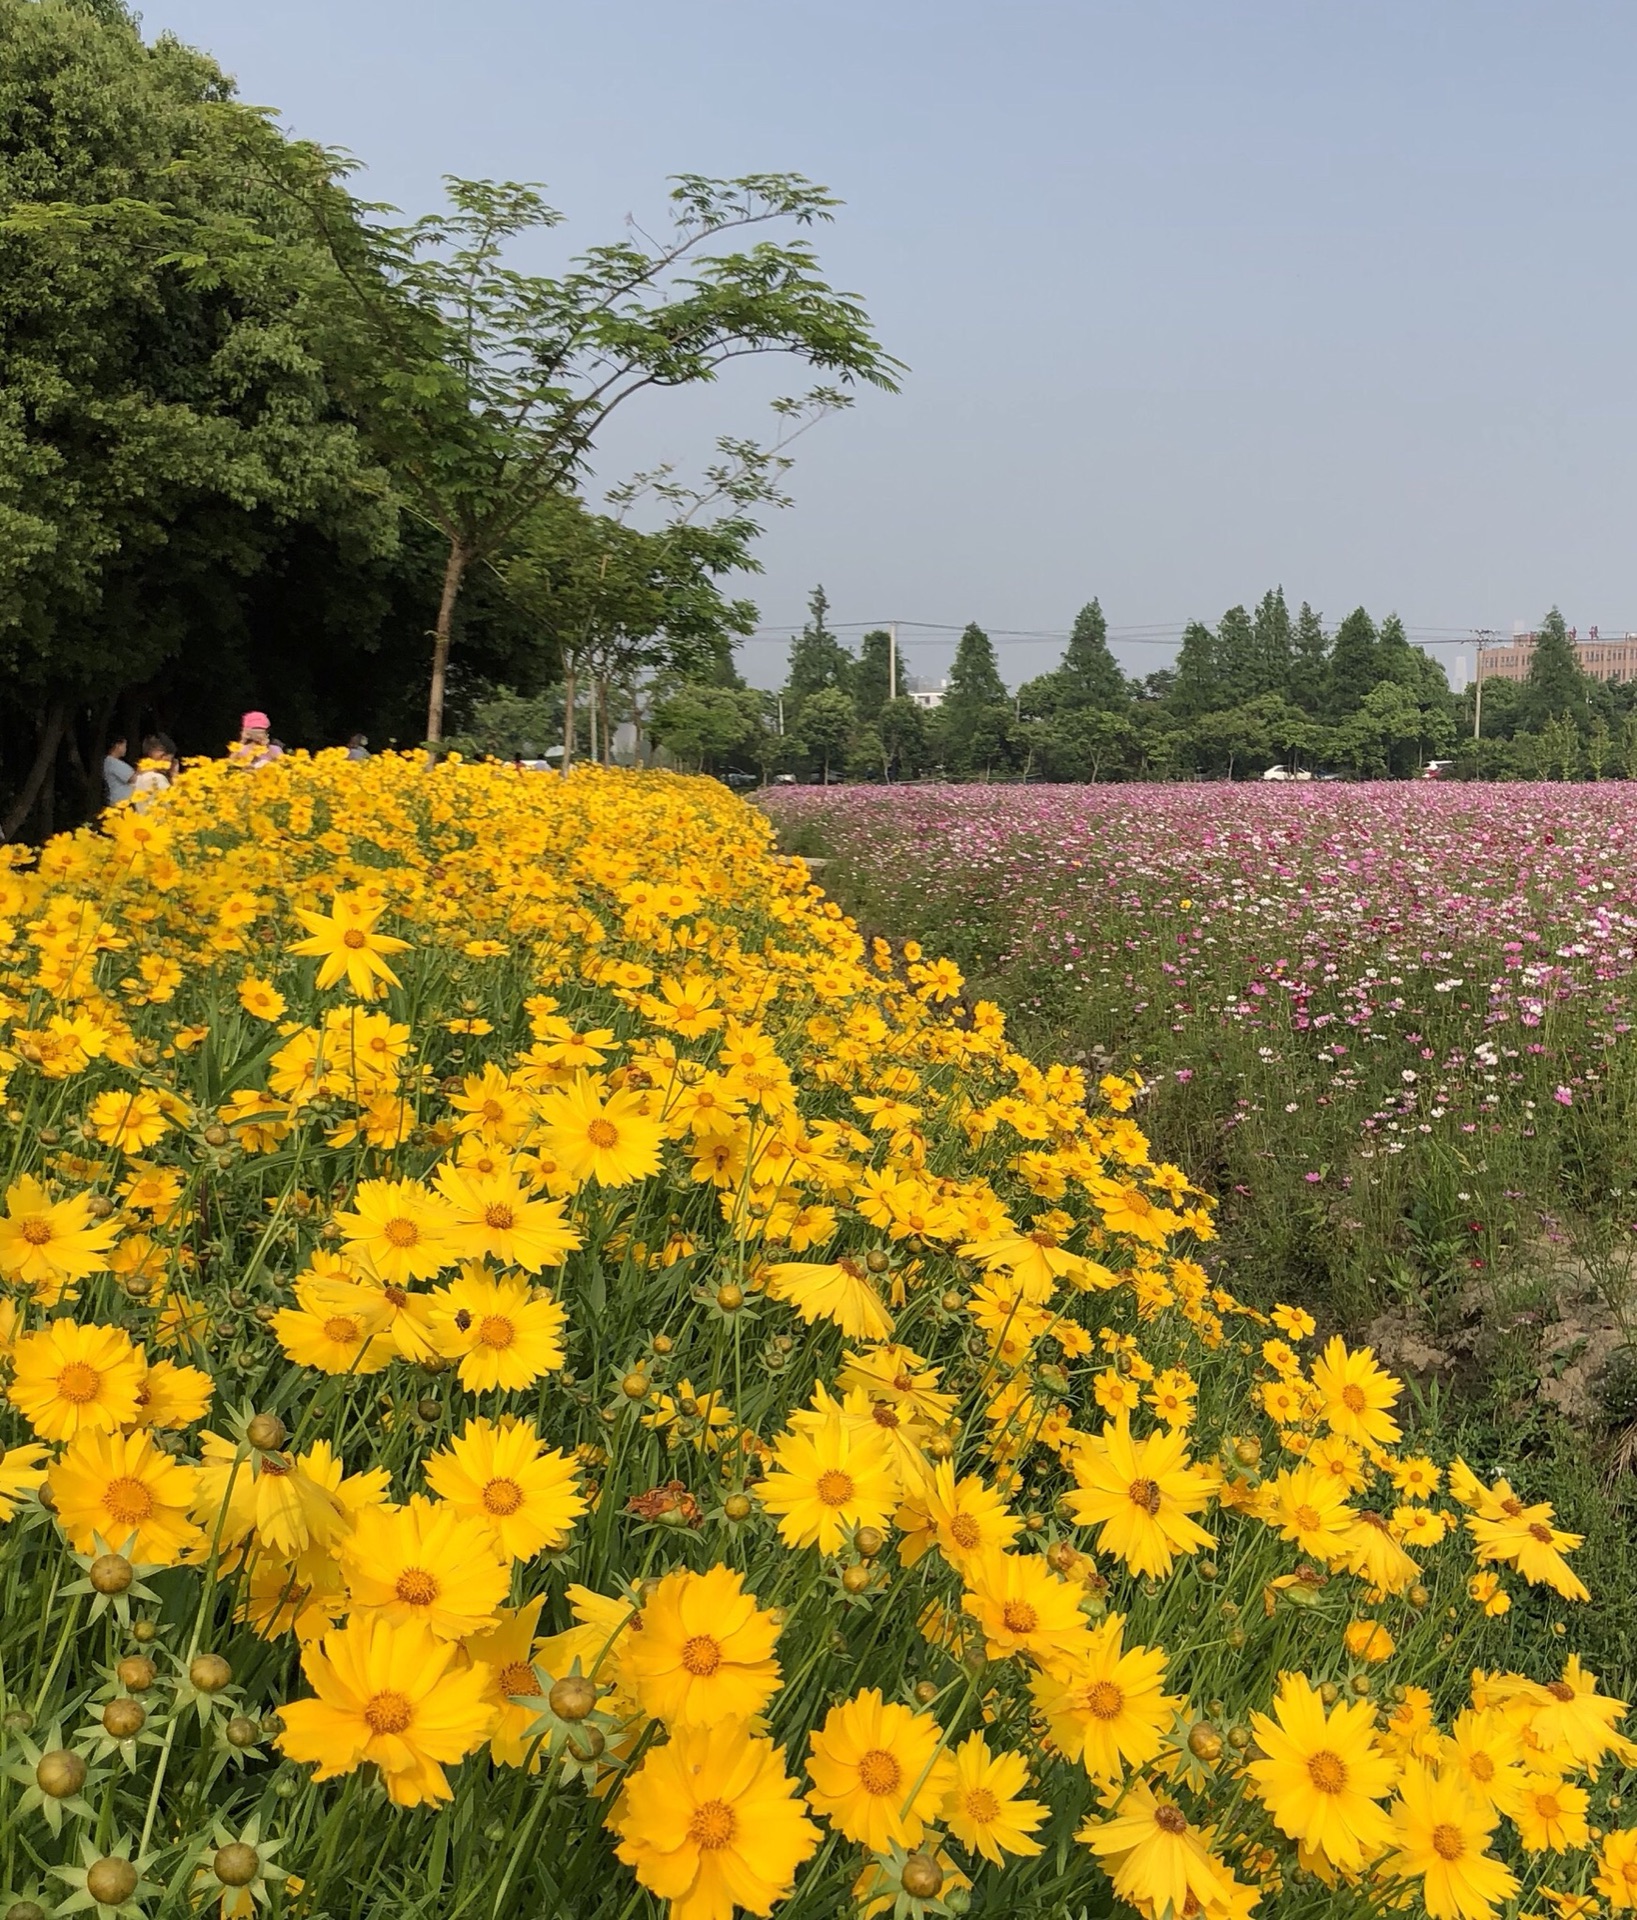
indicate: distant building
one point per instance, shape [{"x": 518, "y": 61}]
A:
[
  {"x": 923, "y": 693},
  {"x": 1602, "y": 659}
]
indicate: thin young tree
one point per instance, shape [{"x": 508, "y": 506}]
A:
[{"x": 485, "y": 388}]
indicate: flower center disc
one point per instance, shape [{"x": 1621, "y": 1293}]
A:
[
  {"x": 878, "y": 1771},
  {"x": 416, "y": 1587},
  {"x": 701, "y": 1655},
  {"x": 128, "y": 1500},
  {"x": 1105, "y": 1700},
  {"x": 78, "y": 1382},
  {"x": 387, "y": 1712},
  {"x": 1327, "y": 1771},
  {"x": 834, "y": 1487},
  {"x": 712, "y": 1826}
]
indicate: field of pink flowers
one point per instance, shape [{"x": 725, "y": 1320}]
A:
[{"x": 1391, "y": 1022}]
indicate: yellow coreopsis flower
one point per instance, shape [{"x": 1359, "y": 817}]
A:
[
  {"x": 1550, "y": 1814},
  {"x": 505, "y": 1333},
  {"x": 504, "y": 1476},
  {"x": 705, "y": 1652},
  {"x": 959, "y": 1517},
  {"x": 275, "y": 1496},
  {"x": 508, "y": 1651},
  {"x": 1308, "y": 1506},
  {"x": 1140, "y": 1494},
  {"x": 172, "y": 1397},
  {"x": 120, "y": 1489},
  {"x": 425, "y": 1562},
  {"x": 69, "y": 1379},
  {"x": 1485, "y": 1751},
  {"x": 1155, "y": 1857},
  {"x": 1023, "y": 1607},
  {"x": 48, "y": 1243},
  {"x": 22, "y": 1469},
  {"x": 132, "y": 1120},
  {"x": 335, "y": 1327},
  {"x": 1441, "y": 1837},
  {"x": 1617, "y": 1870},
  {"x": 598, "y": 1135},
  {"x": 394, "y": 1696},
  {"x": 878, "y": 1775},
  {"x": 827, "y": 1479},
  {"x": 1357, "y": 1395},
  {"x": 260, "y": 998},
  {"x": 494, "y": 1216},
  {"x": 1110, "y": 1710},
  {"x": 711, "y": 1821},
  {"x": 345, "y": 942},
  {"x": 399, "y": 1230},
  {"x": 1322, "y": 1776},
  {"x": 1572, "y": 1714},
  {"x": 982, "y": 1808}
]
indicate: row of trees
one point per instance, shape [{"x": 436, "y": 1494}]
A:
[
  {"x": 1261, "y": 687},
  {"x": 261, "y": 446}
]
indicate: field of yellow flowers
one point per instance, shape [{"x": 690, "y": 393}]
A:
[{"x": 544, "y": 1376}]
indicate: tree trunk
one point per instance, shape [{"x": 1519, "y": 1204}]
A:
[
  {"x": 606, "y": 731},
  {"x": 454, "y": 569},
  {"x": 570, "y": 695},
  {"x": 43, "y": 766}
]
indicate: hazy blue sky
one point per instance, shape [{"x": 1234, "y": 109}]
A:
[{"x": 1197, "y": 295}]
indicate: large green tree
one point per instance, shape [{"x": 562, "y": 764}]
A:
[{"x": 168, "y": 425}]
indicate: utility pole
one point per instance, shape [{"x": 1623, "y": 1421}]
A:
[
  {"x": 1483, "y": 637},
  {"x": 892, "y": 659},
  {"x": 780, "y": 698}
]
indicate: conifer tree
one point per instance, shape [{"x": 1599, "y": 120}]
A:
[
  {"x": 872, "y": 675},
  {"x": 974, "y": 679},
  {"x": 1197, "y": 687},
  {"x": 1089, "y": 675},
  {"x": 1557, "y": 682},
  {"x": 818, "y": 660},
  {"x": 973, "y": 721},
  {"x": 1354, "y": 666},
  {"x": 1274, "y": 643},
  {"x": 1309, "y": 660},
  {"x": 1236, "y": 661},
  {"x": 1396, "y": 659}
]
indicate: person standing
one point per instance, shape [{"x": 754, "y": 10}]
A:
[
  {"x": 118, "y": 775},
  {"x": 257, "y": 747},
  {"x": 358, "y": 747},
  {"x": 159, "y": 766}
]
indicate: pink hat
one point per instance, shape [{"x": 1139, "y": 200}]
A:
[{"x": 255, "y": 720}]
